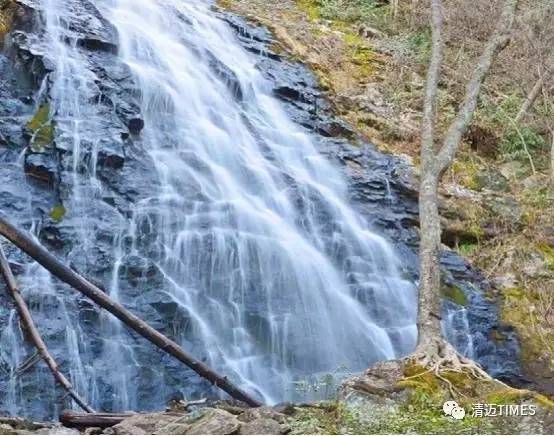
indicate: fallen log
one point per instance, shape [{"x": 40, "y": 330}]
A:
[
  {"x": 34, "y": 335},
  {"x": 26, "y": 243},
  {"x": 72, "y": 419}
]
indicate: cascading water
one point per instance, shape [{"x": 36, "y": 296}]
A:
[
  {"x": 237, "y": 240},
  {"x": 278, "y": 277}
]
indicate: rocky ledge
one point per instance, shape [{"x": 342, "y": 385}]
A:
[{"x": 390, "y": 397}]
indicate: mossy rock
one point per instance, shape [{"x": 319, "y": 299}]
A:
[
  {"x": 41, "y": 129},
  {"x": 454, "y": 294}
]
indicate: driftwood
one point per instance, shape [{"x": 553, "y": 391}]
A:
[
  {"x": 72, "y": 419},
  {"x": 34, "y": 335},
  {"x": 26, "y": 243}
]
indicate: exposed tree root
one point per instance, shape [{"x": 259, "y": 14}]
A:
[{"x": 439, "y": 357}]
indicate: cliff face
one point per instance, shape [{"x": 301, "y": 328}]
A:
[{"x": 497, "y": 205}]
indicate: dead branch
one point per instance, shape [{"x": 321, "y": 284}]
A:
[
  {"x": 34, "y": 335},
  {"x": 72, "y": 419},
  {"x": 26, "y": 243}
]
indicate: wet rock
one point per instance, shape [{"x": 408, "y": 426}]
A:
[
  {"x": 112, "y": 157},
  {"x": 288, "y": 93},
  {"x": 227, "y": 75},
  {"x": 41, "y": 167},
  {"x": 136, "y": 125},
  {"x": 95, "y": 42}
]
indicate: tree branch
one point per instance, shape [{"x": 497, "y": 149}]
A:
[
  {"x": 34, "y": 335},
  {"x": 431, "y": 90},
  {"x": 497, "y": 42},
  {"x": 26, "y": 243}
]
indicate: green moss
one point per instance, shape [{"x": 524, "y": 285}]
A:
[
  {"x": 311, "y": 8},
  {"x": 318, "y": 419},
  {"x": 548, "y": 255},
  {"x": 516, "y": 396},
  {"x": 57, "y": 213},
  {"x": 454, "y": 294},
  {"x": 41, "y": 128}
]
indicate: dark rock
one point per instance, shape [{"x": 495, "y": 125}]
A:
[
  {"x": 95, "y": 42},
  {"x": 42, "y": 167},
  {"x": 112, "y": 157},
  {"x": 136, "y": 125}
]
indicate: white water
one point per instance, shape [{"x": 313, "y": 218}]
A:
[
  {"x": 260, "y": 261},
  {"x": 277, "y": 276}
]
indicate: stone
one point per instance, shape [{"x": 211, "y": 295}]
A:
[
  {"x": 93, "y": 430},
  {"x": 535, "y": 266},
  {"x": 534, "y": 182},
  {"x": 203, "y": 421},
  {"x": 135, "y": 125},
  {"x": 511, "y": 170},
  {"x": 505, "y": 281},
  {"x": 505, "y": 209},
  {"x": 147, "y": 423},
  {"x": 41, "y": 167},
  {"x": 262, "y": 426},
  {"x": 212, "y": 421},
  {"x": 6, "y": 429},
  {"x": 263, "y": 412},
  {"x": 490, "y": 180}
]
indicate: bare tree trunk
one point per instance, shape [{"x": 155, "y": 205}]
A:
[
  {"x": 34, "y": 335},
  {"x": 41, "y": 255},
  {"x": 429, "y": 326},
  {"x": 431, "y": 343},
  {"x": 530, "y": 100}
]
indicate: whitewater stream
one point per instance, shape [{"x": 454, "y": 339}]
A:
[{"x": 219, "y": 222}]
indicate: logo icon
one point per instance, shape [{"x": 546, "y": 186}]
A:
[{"x": 451, "y": 408}]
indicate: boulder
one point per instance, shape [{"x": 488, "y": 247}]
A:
[
  {"x": 263, "y": 412},
  {"x": 490, "y": 180},
  {"x": 263, "y": 426},
  {"x": 41, "y": 166},
  {"x": 147, "y": 423},
  {"x": 135, "y": 125},
  {"x": 203, "y": 421},
  {"x": 210, "y": 421}
]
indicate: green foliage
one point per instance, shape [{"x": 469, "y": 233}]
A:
[
  {"x": 420, "y": 45},
  {"x": 41, "y": 128},
  {"x": 468, "y": 249},
  {"x": 514, "y": 141}
]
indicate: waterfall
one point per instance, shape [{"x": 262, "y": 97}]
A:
[
  {"x": 252, "y": 256},
  {"x": 277, "y": 274}
]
